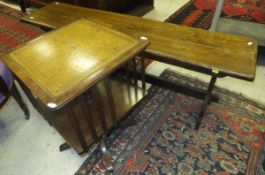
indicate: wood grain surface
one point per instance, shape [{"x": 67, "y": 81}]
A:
[
  {"x": 126, "y": 97},
  {"x": 231, "y": 55},
  {"x": 63, "y": 63}
]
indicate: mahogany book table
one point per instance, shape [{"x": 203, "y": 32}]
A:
[
  {"x": 217, "y": 54},
  {"x": 62, "y": 67},
  {"x": 213, "y": 53}
]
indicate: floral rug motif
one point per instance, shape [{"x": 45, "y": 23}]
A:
[
  {"x": 230, "y": 140},
  {"x": 199, "y": 13},
  {"x": 176, "y": 148}
]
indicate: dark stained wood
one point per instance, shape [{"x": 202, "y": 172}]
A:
[
  {"x": 97, "y": 101},
  {"x": 206, "y": 101},
  {"x": 61, "y": 67},
  {"x": 139, "y": 10},
  {"x": 178, "y": 45},
  {"x": 4, "y": 91},
  {"x": 76, "y": 127},
  {"x": 15, "y": 94},
  {"x": 134, "y": 68},
  {"x": 195, "y": 48},
  {"x": 57, "y": 68},
  {"x": 3, "y": 88},
  {"x": 132, "y": 7},
  {"x": 167, "y": 84},
  {"x": 142, "y": 60},
  {"x": 125, "y": 99},
  {"x": 110, "y": 101},
  {"x": 88, "y": 115}
]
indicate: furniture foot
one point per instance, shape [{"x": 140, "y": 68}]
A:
[
  {"x": 263, "y": 164},
  {"x": 64, "y": 146},
  {"x": 76, "y": 126},
  {"x": 206, "y": 100},
  {"x": 45, "y": 29},
  {"x": 106, "y": 156},
  {"x": 22, "y": 5},
  {"x": 127, "y": 123},
  {"x": 20, "y": 101}
]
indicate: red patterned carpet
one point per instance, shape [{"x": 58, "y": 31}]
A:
[
  {"x": 230, "y": 140},
  {"x": 199, "y": 13},
  {"x": 12, "y": 31}
]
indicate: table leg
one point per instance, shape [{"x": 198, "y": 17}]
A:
[
  {"x": 135, "y": 77},
  {"x": 106, "y": 156},
  {"x": 134, "y": 71},
  {"x": 143, "y": 74},
  {"x": 88, "y": 116},
  {"x": 127, "y": 72},
  {"x": 22, "y": 5},
  {"x": 263, "y": 165},
  {"x": 110, "y": 101},
  {"x": 34, "y": 101},
  {"x": 20, "y": 101},
  {"x": 206, "y": 101},
  {"x": 74, "y": 122},
  {"x": 101, "y": 113}
]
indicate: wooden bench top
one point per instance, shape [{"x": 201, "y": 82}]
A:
[
  {"x": 61, "y": 64},
  {"x": 231, "y": 55}
]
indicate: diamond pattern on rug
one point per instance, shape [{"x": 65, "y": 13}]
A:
[
  {"x": 12, "y": 31},
  {"x": 199, "y": 13}
]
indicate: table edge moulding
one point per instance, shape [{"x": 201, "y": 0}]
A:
[{"x": 37, "y": 84}]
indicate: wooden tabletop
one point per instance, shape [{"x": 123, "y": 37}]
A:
[
  {"x": 229, "y": 54},
  {"x": 63, "y": 63}
]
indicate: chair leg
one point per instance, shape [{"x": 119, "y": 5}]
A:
[
  {"x": 263, "y": 165},
  {"x": 20, "y": 101}
]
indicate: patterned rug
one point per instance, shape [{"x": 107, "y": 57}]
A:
[
  {"x": 230, "y": 140},
  {"x": 12, "y": 31},
  {"x": 199, "y": 13}
]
